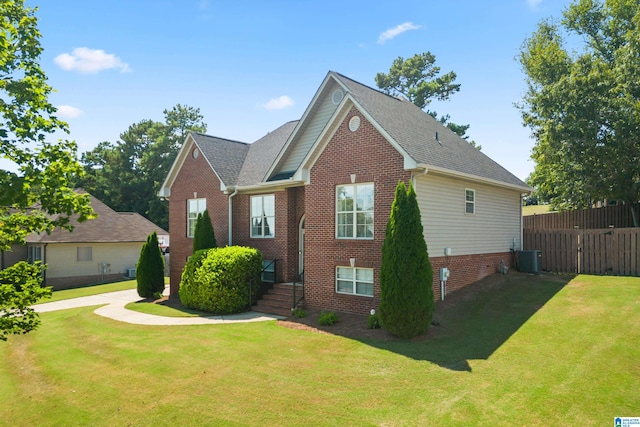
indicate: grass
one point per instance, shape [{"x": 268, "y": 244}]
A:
[
  {"x": 165, "y": 310},
  {"x": 92, "y": 290},
  {"x": 530, "y": 351},
  {"x": 535, "y": 210}
]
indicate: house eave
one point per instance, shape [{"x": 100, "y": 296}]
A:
[
  {"x": 265, "y": 186},
  {"x": 443, "y": 171}
]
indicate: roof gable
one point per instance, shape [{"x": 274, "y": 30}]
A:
[{"x": 415, "y": 131}]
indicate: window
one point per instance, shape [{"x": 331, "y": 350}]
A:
[
  {"x": 469, "y": 201},
  {"x": 356, "y": 281},
  {"x": 34, "y": 253},
  {"x": 194, "y": 207},
  {"x": 84, "y": 253},
  {"x": 354, "y": 211},
  {"x": 263, "y": 216}
]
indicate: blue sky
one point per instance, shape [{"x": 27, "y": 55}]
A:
[{"x": 252, "y": 65}]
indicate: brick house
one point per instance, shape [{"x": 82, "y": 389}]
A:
[{"x": 315, "y": 194}]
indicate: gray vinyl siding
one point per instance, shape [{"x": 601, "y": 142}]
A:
[
  {"x": 307, "y": 136},
  {"x": 491, "y": 229}
]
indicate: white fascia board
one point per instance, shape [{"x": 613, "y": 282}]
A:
[
  {"x": 165, "y": 189},
  {"x": 443, "y": 171},
  {"x": 302, "y": 120},
  {"x": 270, "y": 186},
  {"x": 329, "y": 130}
]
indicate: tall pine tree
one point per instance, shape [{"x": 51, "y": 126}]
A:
[
  {"x": 406, "y": 275},
  {"x": 150, "y": 268},
  {"x": 204, "y": 236}
]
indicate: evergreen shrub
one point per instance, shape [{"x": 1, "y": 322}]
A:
[
  {"x": 217, "y": 280},
  {"x": 150, "y": 268},
  {"x": 406, "y": 276},
  {"x": 204, "y": 237}
]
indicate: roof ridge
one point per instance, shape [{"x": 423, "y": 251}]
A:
[{"x": 221, "y": 138}]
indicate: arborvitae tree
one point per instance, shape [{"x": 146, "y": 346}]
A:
[
  {"x": 150, "y": 268},
  {"x": 204, "y": 236},
  {"x": 406, "y": 275}
]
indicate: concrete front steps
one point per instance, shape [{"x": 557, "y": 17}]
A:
[{"x": 279, "y": 299}]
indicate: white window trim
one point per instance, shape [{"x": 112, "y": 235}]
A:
[
  {"x": 272, "y": 226},
  {"x": 467, "y": 202},
  {"x": 355, "y": 212},
  {"x": 354, "y": 280},
  {"x": 198, "y": 211}
]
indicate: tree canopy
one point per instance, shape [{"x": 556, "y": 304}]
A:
[
  {"x": 37, "y": 185},
  {"x": 583, "y": 103},
  {"x": 127, "y": 175},
  {"x": 418, "y": 79}
]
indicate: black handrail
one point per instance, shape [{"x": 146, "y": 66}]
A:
[
  {"x": 252, "y": 280},
  {"x": 300, "y": 278}
]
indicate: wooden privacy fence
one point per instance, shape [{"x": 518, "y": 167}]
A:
[
  {"x": 614, "y": 251},
  {"x": 617, "y": 216}
]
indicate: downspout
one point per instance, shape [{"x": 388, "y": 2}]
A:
[{"x": 230, "y": 243}]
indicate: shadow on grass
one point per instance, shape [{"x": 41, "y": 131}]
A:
[{"x": 477, "y": 320}]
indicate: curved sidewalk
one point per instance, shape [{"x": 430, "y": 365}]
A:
[{"x": 113, "y": 307}]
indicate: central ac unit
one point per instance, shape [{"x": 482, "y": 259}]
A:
[{"x": 131, "y": 272}]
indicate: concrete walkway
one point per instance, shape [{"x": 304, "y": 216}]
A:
[{"x": 113, "y": 307}]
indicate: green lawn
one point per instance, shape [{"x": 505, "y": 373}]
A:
[
  {"x": 535, "y": 209},
  {"x": 92, "y": 290},
  {"x": 530, "y": 351}
]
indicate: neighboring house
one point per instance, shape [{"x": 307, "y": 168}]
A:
[
  {"x": 101, "y": 249},
  {"x": 315, "y": 194}
]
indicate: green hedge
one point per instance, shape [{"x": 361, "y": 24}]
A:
[{"x": 217, "y": 280}]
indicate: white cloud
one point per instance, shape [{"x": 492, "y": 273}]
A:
[
  {"x": 89, "y": 61},
  {"x": 278, "y": 103},
  {"x": 68, "y": 112},
  {"x": 533, "y": 4},
  {"x": 396, "y": 31}
]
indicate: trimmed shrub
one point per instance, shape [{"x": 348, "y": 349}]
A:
[
  {"x": 217, "y": 280},
  {"x": 327, "y": 318},
  {"x": 406, "y": 276},
  {"x": 150, "y": 268},
  {"x": 204, "y": 236}
]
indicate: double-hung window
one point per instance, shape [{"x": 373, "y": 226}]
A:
[
  {"x": 354, "y": 211},
  {"x": 469, "y": 201},
  {"x": 356, "y": 281},
  {"x": 194, "y": 207},
  {"x": 263, "y": 216}
]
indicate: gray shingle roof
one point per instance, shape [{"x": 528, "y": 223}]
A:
[
  {"x": 225, "y": 156},
  {"x": 109, "y": 227},
  {"x": 415, "y": 131},
  {"x": 263, "y": 153}
]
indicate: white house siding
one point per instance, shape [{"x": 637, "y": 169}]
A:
[
  {"x": 62, "y": 260},
  {"x": 492, "y": 229},
  {"x": 310, "y": 133}
]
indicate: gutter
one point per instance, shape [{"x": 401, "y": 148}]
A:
[{"x": 230, "y": 240}]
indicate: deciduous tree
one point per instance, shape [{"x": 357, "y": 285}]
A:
[
  {"x": 583, "y": 103},
  {"x": 37, "y": 193}
]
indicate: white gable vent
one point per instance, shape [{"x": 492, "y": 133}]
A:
[
  {"x": 337, "y": 96},
  {"x": 354, "y": 123}
]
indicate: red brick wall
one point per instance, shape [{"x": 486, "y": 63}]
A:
[
  {"x": 284, "y": 245},
  {"x": 371, "y": 158},
  {"x": 466, "y": 269},
  {"x": 194, "y": 176}
]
